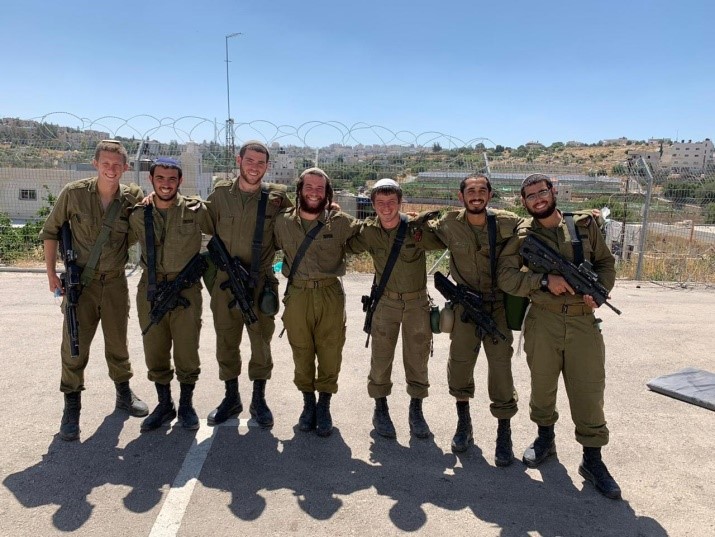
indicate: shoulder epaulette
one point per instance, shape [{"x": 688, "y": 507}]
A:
[
  {"x": 275, "y": 187},
  {"x": 582, "y": 219},
  {"x": 80, "y": 183},
  {"x": 223, "y": 183}
]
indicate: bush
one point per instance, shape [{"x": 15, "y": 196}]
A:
[{"x": 710, "y": 213}]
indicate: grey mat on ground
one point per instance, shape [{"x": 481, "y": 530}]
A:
[{"x": 691, "y": 385}]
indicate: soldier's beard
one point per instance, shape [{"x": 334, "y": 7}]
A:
[
  {"x": 545, "y": 212},
  {"x": 471, "y": 210},
  {"x": 306, "y": 206}
]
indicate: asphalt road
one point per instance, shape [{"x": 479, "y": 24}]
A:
[{"x": 237, "y": 479}]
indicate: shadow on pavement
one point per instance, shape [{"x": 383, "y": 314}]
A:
[{"x": 70, "y": 471}]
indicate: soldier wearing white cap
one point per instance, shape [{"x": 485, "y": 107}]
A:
[{"x": 403, "y": 304}]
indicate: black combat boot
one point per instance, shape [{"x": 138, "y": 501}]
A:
[
  {"x": 307, "y": 420},
  {"x": 593, "y": 470},
  {"x": 127, "y": 400},
  {"x": 541, "y": 448},
  {"x": 230, "y": 407},
  {"x": 463, "y": 435},
  {"x": 418, "y": 425},
  {"x": 164, "y": 411},
  {"x": 187, "y": 414},
  {"x": 69, "y": 429},
  {"x": 259, "y": 409},
  {"x": 504, "y": 454},
  {"x": 323, "y": 419},
  {"x": 381, "y": 419}
]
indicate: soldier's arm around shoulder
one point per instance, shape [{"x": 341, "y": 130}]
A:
[
  {"x": 441, "y": 226},
  {"x": 360, "y": 242},
  {"x": 347, "y": 225},
  {"x": 133, "y": 194},
  {"x": 507, "y": 224},
  {"x": 278, "y": 196},
  {"x": 512, "y": 276},
  {"x": 200, "y": 208},
  {"x": 422, "y": 231},
  {"x": 136, "y": 224}
]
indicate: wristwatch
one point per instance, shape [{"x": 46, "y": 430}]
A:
[{"x": 544, "y": 282}]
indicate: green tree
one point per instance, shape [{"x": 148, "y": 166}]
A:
[
  {"x": 619, "y": 169},
  {"x": 436, "y": 148}
]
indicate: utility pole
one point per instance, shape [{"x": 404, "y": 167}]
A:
[{"x": 230, "y": 142}]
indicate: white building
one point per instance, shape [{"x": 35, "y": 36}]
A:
[{"x": 689, "y": 156}]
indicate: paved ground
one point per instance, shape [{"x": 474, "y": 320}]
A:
[{"x": 239, "y": 479}]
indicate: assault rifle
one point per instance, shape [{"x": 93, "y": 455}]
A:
[
  {"x": 237, "y": 278},
  {"x": 581, "y": 278},
  {"x": 472, "y": 306},
  {"x": 369, "y": 303},
  {"x": 168, "y": 294},
  {"x": 71, "y": 287}
]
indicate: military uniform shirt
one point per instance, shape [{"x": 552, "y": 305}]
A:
[
  {"x": 516, "y": 282},
  {"x": 409, "y": 273},
  {"x": 468, "y": 245},
  {"x": 325, "y": 257},
  {"x": 177, "y": 236},
  {"x": 235, "y": 219},
  {"x": 80, "y": 204}
]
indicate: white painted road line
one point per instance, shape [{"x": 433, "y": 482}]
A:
[{"x": 177, "y": 500}]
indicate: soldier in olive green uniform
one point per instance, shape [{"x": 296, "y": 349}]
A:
[
  {"x": 561, "y": 333},
  {"x": 404, "y": 303},
  {"x": 234, "y": 207},
  {"x": 465, "y": 233},
  {"x": 314, "y": 313},
  {"x": 178, "y": 223},
  {"x": 87, "y": 205}
]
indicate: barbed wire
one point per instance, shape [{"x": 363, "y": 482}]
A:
[
  {"x": 265, "y": 130},
  {"x": 39, "y": 155}
]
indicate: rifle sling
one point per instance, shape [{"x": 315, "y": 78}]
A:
[
  {"x": 257, "y": 245},
  {"x": 575, "y": 239},
  {"x": 492, "y": 234},
  {"x": 150, "y": 252},
  {"x": 391, "y": 260},
  {"x": 310, "y": 236},
  {"x": 109, "y": 217}
]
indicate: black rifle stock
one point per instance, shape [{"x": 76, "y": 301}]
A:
[
  {"x": 368, "y": 306},
  {"x": 168, "y": 294},
  {"x": 472, "y": 306},
  {"x": 71, "y": 287},
  {"x": 581, "y": 278},
  {"x": 237, "y": 278}
]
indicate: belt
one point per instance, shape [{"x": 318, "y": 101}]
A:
[
  {"x": 570, "y": 310},
  {"x": 101, "y": 276},
  {"x": 405, "y": 296},
  {"x": 314, "y": 284}
]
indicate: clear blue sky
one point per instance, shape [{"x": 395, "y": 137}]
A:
[{"x": 509, "y": 71}]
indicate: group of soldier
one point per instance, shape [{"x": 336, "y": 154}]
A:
[{"x": 253, "y": 220}]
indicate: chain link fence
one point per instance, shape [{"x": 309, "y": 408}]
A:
[{"x": 661, "y": 224}]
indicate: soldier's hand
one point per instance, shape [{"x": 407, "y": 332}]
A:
[
  {"x": 55, "y": 282},
  {"x": 149, "y": 199},
  {"x": 559, "y": 286},
  {"x": 590, "y": 302}
]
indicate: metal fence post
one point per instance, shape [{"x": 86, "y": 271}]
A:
[{"x": 644, "y": 224}]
